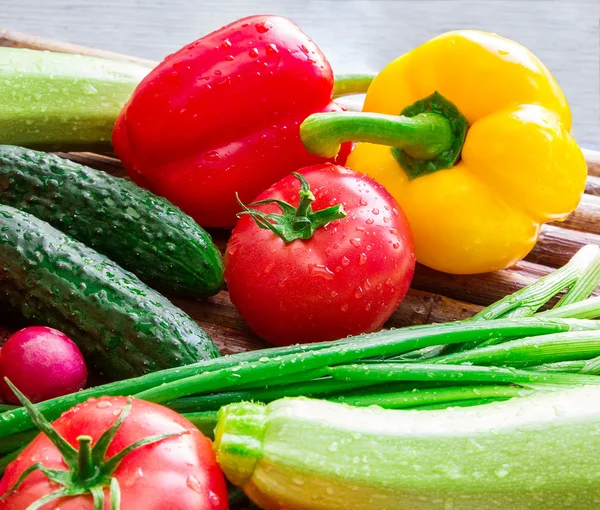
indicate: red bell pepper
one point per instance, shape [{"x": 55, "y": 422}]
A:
[{"x": 222, "y": 115}]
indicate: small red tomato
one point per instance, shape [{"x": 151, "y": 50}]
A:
[
  {"x": 179, "y": 472},
  {"x": 330, "y": 277},
  {"x": 42, "y": 363}
]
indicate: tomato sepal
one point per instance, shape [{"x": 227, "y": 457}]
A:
[
  {"x": 294, "y": 222},
  {"x": 88, "y": 472}
]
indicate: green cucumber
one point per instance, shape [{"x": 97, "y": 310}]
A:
[
  {"x": 59, "y": 101},
  {"x": 143, "y": 233},
  {"x": 528, "y": 453},
  {"x": 123, "y": 327}
]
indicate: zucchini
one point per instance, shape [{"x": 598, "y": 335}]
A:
[
  {"x": 123, "y": 327},
  {"x": 62, "y": 102},
  {"x": 539, "y": 451},
  {"x": 143, "y": 233}
]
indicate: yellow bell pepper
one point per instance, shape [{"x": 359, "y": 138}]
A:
[{"x": 475, "y": 201}]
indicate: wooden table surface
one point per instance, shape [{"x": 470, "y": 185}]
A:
[{"x": 356, "y": 35}]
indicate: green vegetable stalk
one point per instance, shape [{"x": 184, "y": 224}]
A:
[{"x": 527, "y": 453}]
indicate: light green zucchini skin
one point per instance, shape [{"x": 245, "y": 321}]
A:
[
  {"x": 143, "y": 233},
  {"x": 122, "y": 326},
  {"x": 58, "y": 101},
  {"x": 530, "y": 453}
]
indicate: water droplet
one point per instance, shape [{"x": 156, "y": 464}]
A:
[
  {"x": 345, "y": 261},
  {"x": 103, "y": 404},
  {"x": 214, "y": 499},
  {"x": 330, "y": 491},
  {"x": 502, "y": 472},
  {"x": 503, "y": 52},
  {"x": 253, "y": 53},
  {"x": 355, "y": 241},
  {"x": 322, "y": 271},
  {"x": 362, "y": 259},
  {"x": 217, "y": 72},
  {"x": 344, "y": 307},
  {"x": 393, "y": 231},
  {"x": 389, "y": 281},
  {"x": 370, "y": 221},
  {"x": 263, "y": 27},
  {"x": 396, "y": 246},
  {"x": 212, "y": 156},
  {"x": 226, "y": 44},
  {"x": 269, "y": 268},
  {"x": 333, "y": 447},
  {"x": 271, "y": 49},
  {"x": 375, "y": 211},
  {"x": 229, "y": 58},
  {"x": 363, "y": 201},
  {"x": 334, "y": 294},
  {"x": 297, "y": 480},
  {"x": 194, "y": 484},
  {"x": 386, "y": 219},
  {"x": 304, "y": 48},
  {"x": 368, "y": 307},
  {"x": 358, "y": 293}
]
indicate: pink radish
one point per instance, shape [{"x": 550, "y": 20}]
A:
[{"x": 43, "y": 363}]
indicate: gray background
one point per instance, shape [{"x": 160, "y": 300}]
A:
[{"x": 356, "y": 35}]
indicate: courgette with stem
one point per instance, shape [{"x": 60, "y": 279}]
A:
[
  {"x": 58, "y": 101},
  {"x": 122, "y": 326},
  {"x": 527, "y": 453},
  {"x": 143, "y": 233}
]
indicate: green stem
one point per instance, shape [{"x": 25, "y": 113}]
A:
[
  {"x": 419, "y": 397},
  {"x": 294, "y": 222},
  {"x": 384, "y": 372},
  {"x": 586, "y": 284},
  {"x": 349, "y": 84},
  {"x": 423, "y": 136},
  {"x": 384, "y": 343},
  {"x": 581, "y": 272},
  {"x": 531, "y": 351},
  {"x": 318, "y": 388},
  {"x": 586, "y": 309},
  {"x": 85, "y": 467}
]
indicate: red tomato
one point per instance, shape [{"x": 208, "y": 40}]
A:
[
  {"x": 177, "y": 473},
  {"x": 345, "y": 280}
]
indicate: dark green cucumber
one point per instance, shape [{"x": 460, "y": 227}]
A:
[
  {"x": 122, "y": 326},
  {"x": 143, "y": 233}
]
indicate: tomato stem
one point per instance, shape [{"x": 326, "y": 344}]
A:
[
  {"x": 294, "y": 222},
  {"x": 84, "y": 459}
]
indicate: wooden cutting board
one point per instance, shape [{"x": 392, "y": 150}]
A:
[{"x": 434, "y": 296}]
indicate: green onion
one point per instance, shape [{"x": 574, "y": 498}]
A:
[
  {"x": 587, "y": 309},
  {"x": 385, "y": 372},
  {"x": 384, "y": 343},
  {"x": 418, "y": 397},
  {"x": 317, "y": 388},
  {"x": 524, "y": 352}
]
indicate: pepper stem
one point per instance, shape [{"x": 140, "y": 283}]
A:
[
  {"x": 428, "y": 135},
  {"x": 294, "y": 222},
  {"x": 349, "y": 84},
  {"x": 423, "y": 136}
]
